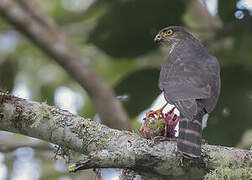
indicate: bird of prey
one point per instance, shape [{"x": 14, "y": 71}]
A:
[{"x": 190, "y": 80}]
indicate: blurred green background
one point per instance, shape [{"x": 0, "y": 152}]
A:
[{"x": 116, "y": 36}]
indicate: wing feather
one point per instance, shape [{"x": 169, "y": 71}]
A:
[{"x": 185, "y": 80}]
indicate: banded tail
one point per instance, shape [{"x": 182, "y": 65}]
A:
[{"x": 189, "y": 141}]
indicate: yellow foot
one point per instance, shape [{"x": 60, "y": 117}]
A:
[{"x": 156, "y": 114}]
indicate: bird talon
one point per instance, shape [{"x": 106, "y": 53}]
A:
[
  {"x": 158, "y": 114},
  {"x": 158, "y": 139}
]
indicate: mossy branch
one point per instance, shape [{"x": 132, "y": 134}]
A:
[{"x": 110, "y": 148}]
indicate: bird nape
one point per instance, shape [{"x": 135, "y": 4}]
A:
[{"x": 190, "y": 80}]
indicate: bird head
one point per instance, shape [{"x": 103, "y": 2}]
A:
[{"x": 169, "y": 36}]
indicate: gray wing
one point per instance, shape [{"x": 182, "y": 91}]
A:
[
  {"x": 186, "y": 80},
  {"x": 213, "y": 75}
]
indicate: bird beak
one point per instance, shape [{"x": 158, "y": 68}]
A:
[{"x": 157, "y": 39}]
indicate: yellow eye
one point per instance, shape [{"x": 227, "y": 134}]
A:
[{"x": 168, "y": 33}]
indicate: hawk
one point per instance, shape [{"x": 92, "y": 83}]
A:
[{"x": 190, "y": 80}]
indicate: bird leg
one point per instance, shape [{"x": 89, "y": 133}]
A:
[{"x": 158, "y": 112}]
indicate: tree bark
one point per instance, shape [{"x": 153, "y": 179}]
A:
[
  {"x": 45, "y": 34},
  {"x": 110, "y": 148}
]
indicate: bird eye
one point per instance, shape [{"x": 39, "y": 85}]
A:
[{"x": 168, "y": 33}]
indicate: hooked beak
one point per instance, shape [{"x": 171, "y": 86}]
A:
[{"x": 157, "y": 39}]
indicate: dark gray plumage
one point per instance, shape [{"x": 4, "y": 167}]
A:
[{"x": 190, "y": 80}]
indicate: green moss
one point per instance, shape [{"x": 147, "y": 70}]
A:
[
  {"x": 226, "y": 173},
  {"x": 74, "y": 167},
  {"x": 226, "y": 169},
  {"x": 8, "y": 110},
  {"x": 157, "y": 125},
  {"x": 39, "y": 112},
  {"x": 219, "y": 161},
  {"x": 173, "y": 165}
]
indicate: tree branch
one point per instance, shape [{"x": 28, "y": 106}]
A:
[
  {"x": 41, "y": 30},
  {"x": 35, "y": 12},
  {"x": 109, "y": 148}
]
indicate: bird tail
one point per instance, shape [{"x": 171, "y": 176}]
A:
[{"x": 189, "y": 140}]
